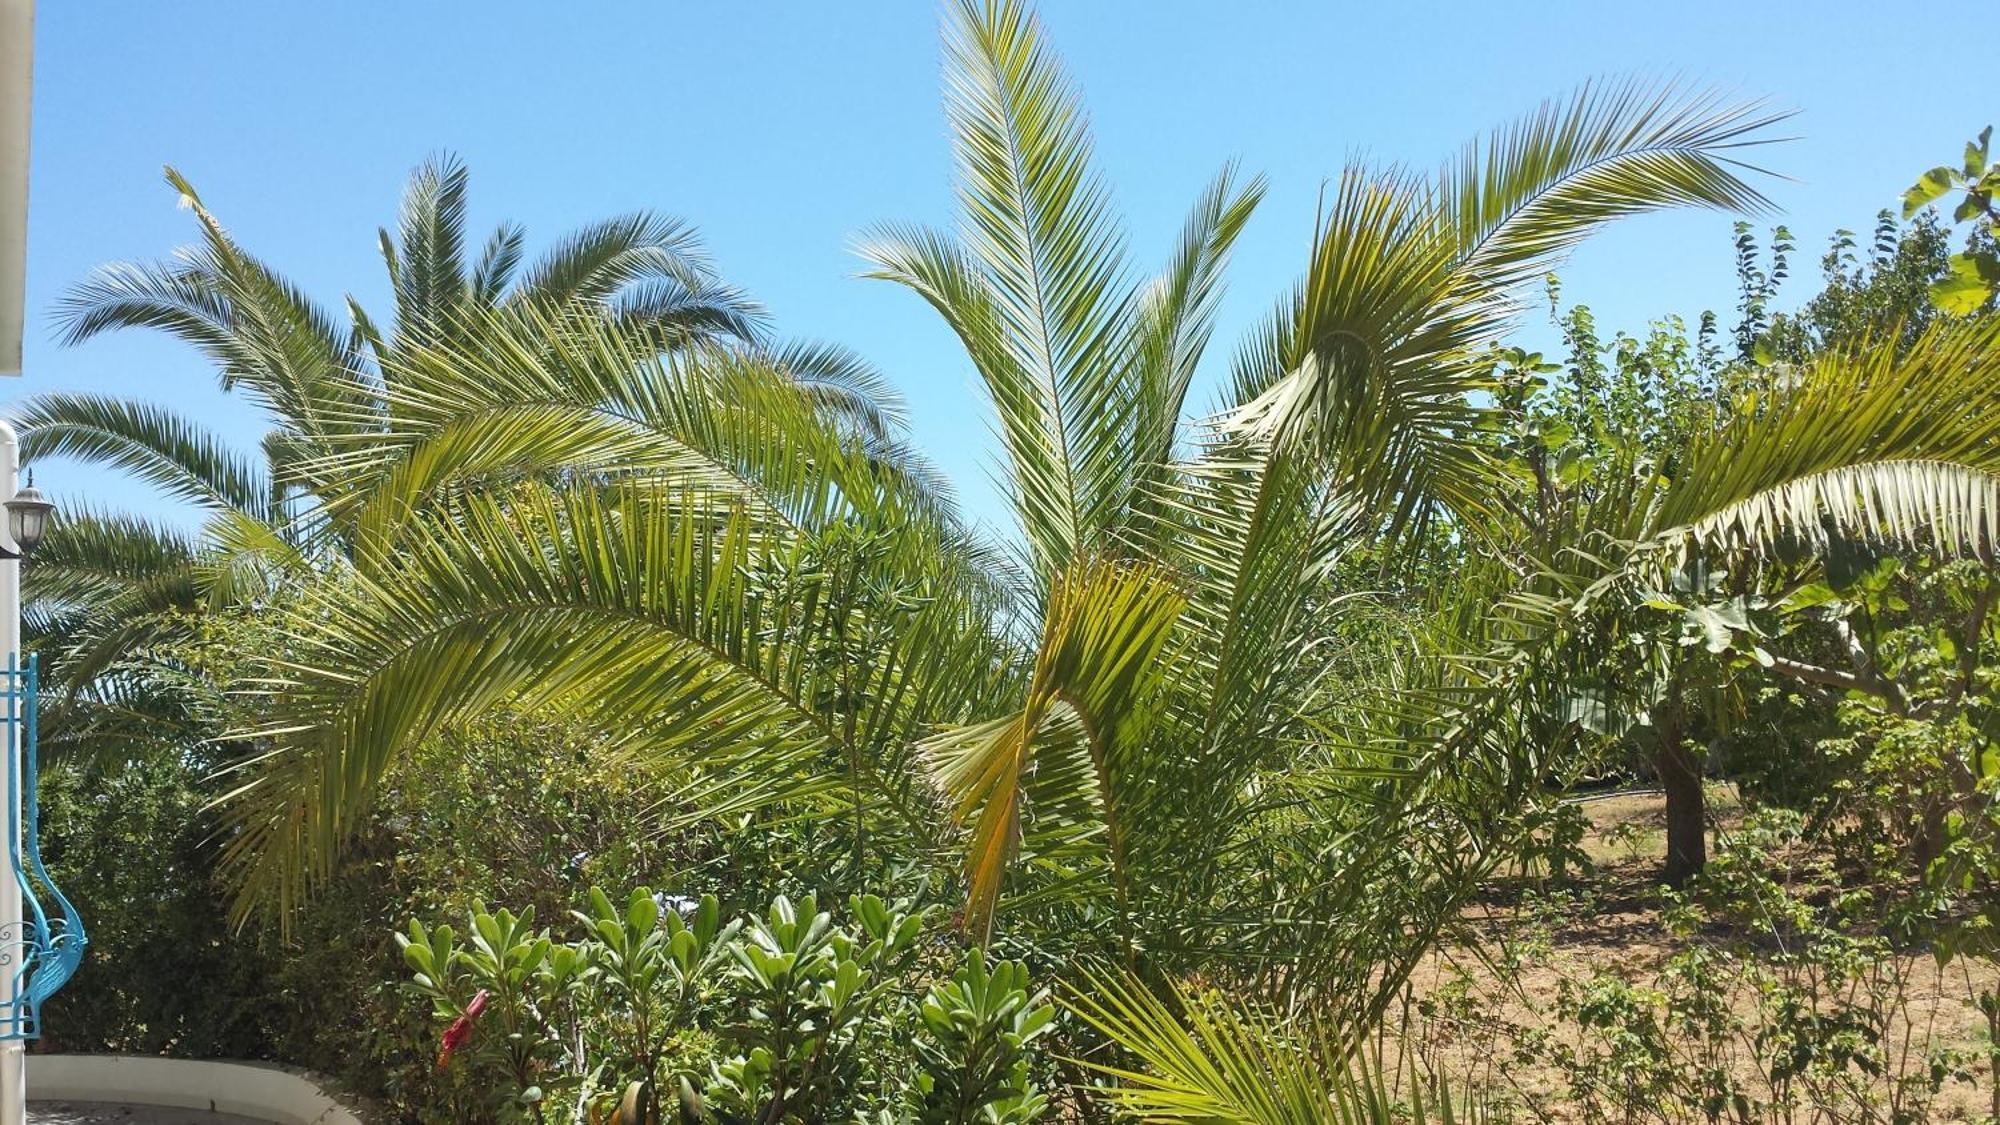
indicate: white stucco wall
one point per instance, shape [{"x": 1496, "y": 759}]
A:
[{"x": 257, "y": 1090}]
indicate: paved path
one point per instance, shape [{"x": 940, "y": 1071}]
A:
[{"x": 105, "y": 1113}]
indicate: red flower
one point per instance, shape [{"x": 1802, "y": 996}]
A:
[{"x": 461, "y": 1029}]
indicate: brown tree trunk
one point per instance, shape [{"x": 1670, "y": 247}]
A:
[{"x": 1679, "y": 767}]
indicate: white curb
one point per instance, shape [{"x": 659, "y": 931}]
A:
[{"x": 263, "y": 1091}]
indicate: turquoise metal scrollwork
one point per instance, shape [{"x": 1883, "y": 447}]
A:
[{"x": 46, "y": 953}]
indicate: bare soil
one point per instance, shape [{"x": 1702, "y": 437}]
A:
[{"x": 1471, "y": 1003}]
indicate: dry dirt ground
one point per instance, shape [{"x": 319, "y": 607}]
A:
[{"x": 1477, "y": 1010}]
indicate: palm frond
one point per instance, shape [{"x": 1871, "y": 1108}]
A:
[
  {"x": 533, "y": 392},
  {"x": 1205, "y": 1060},
  {"x": 1039, "y": 291},
  {"x": 498, "y": 261},
  {"x": 280, "y": 348},
  {"x": 1900, "y": 448},
  {"x": 679, "y": 635},
  {"x": 678, "y": 315},
  {"x": 1098, "y": 659},
  {"x": 594, "y": 264},
  {"x": 427, "y": 266},
  {"x": 1533, "y": 190},
  {"x": 94, "y": 559},
  {"x": 1407, "y": 281},
  {"x": 172, "y": 298},
  {"x": 264, "y": 336},
  {"x": 846, "y": 385},
  {"x": 173, "y": 453},
  {"x": 104, "y": 589},
  {"x": 1178, "y": 309}
]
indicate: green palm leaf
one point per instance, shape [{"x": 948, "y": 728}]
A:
[
  {"x": 1205, "y": 1060},
  {"x": 427, "y": 263},
  {"x": 1039, "y": 291},
  {"x": 176, "y": 454},
  {"x": 1099, "y": 661},
  {"x": 534, "y": 392},
  {"x": 1864, "y": 442},
  {"x": 689, "y": 638}
]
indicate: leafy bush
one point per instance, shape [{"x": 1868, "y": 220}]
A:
[
  {"x": 164, "y": 974},
  {"x": 783, "y": 1017},
  {"x": 508, "y": 808}
]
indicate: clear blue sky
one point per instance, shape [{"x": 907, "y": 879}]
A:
[{"x": 781, "y": 129}]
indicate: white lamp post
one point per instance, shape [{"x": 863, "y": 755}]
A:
[
  {"x": 17, "y": 58},
  {"x": 27, "y": 519}
]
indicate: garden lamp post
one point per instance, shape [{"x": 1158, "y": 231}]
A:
[
  {"x": 27, "y": 519},
  {"x": 17, "y": 56}
]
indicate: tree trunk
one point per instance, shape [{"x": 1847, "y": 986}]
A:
[{"x": 1679, "y": 767}]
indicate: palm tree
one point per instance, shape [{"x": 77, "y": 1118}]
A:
[
  {"x": 781, "y": 607},
  {"x": 1343, "y": 428},
  {"x": 113, "y": 584},
  {"x": 764, "y": 601}
]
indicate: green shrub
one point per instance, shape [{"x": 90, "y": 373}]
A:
[
  {"x": 163, "y": 974},
  {"x": 781, "y": 1017},
  {"x": 508, "y": 810}
]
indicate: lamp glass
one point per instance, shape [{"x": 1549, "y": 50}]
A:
[{"x": 28, "y": 518}]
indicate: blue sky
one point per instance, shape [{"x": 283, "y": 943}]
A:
[{"x": 782, "y": 129}]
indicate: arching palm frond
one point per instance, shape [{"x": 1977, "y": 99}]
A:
[
  {"x": 1862, "y": 443},
  {"x": 1206, "y": 1060},
  {"x": 1096, "y": 674},
  {"x": 498, "y": 262},
  {"x": 679, "y": 315},
  {"x": 283, "y": 350},
  {"x": 96, "y": 559},
  {"x": 175, "y": 454},
  {"x": 538, "y": 392},
  {"x": 100, "y": 591},
  {"x": 1407, "y": 280},
  {"x": 247, "y": 563},
  {"x": 174, "y": 298},
  {"x": 679, "y": 636},
  {"x": 595, "y": 263},
  {"x": 1535, "y": 189},
  {"x": 845, "y": 385}
]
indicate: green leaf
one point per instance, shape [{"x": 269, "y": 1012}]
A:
[
  {"x": 1928, "y": 188},
  {"x": 1808, "y": 596},
  {"x": 1717, "y": 626},
  {"x": 1963, "y": 291},
  {"x": 642, "y": 913},
  {"x": 1571, "y": 468},
  {"x": 1976, "y": 152}
]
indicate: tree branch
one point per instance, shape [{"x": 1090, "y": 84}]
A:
[{"x": 1829, "y": 677}]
